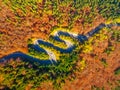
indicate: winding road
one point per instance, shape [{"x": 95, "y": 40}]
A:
[{"x": 52, "y": 57}]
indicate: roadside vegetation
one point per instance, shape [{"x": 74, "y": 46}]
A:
[
  {"x": 94, "y": 60},
  {"x": 17, "y": 74},
  {"x": 21, "y": 74}
]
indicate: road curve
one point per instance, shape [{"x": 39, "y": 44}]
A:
[{"x": 52, "y": 58}]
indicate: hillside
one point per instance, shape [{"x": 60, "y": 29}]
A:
[{"x": 59, "y": 45}]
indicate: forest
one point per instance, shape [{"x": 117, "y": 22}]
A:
[{"x": 59, "y": 44}]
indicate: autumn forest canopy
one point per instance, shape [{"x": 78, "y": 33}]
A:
[{"x": 77, "y": 40}]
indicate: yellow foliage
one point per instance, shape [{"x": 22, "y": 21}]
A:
[
  {"x": 87, "y": 48},
  {"x": 83, "y": 64},
  {"x": 108, "y": 21},
  {"x": 117, "y": 20},
  {"x": 40, "y": 1},
  {"x": 1, "y": 78}
]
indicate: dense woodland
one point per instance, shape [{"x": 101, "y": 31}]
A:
[{"x": 22, "y": 21}]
